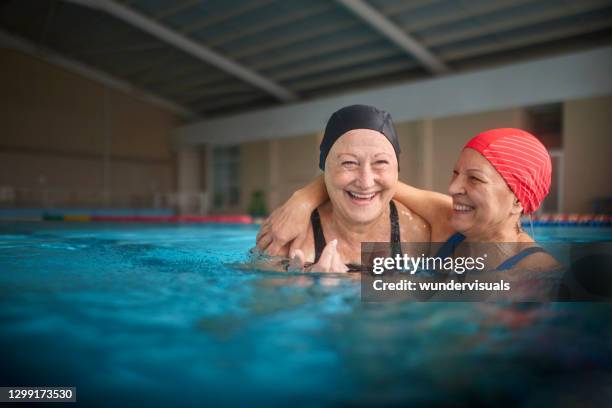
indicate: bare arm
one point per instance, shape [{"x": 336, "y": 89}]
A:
[
  {"x": 289, "y": 222},
  {"x": 435, "y": 208}
]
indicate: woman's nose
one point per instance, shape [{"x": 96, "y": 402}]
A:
[
  {"x": 366, "y": 177},
  {"x": 456, "y": 186}
]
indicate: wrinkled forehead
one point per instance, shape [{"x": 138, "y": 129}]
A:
[{"x": 362, "y": 141}]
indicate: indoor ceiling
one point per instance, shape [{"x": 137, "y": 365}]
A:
[{"x": 214, "y": 57}]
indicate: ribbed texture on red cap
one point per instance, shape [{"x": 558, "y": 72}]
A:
[{"x": 521, "y": 159}]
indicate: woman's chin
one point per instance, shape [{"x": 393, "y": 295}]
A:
[
  {"x": 460, "y": 225},
  {"x": 364, "y": 214}
]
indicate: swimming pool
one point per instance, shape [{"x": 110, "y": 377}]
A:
[{"x": 135, "y": 314}]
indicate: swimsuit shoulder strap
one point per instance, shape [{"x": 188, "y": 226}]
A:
[
  {"x": 516, "y": 258},
  {"x": 395, "y": 240},
  {"x": 319, "y": 237},
  {"x": 317, "y": 233},
  {"x": 448, "y": 247}
]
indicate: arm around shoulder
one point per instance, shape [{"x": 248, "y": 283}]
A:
[{"x": 435, "y": 208}]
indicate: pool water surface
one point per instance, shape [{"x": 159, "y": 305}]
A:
[{"x": 156, "y": 315}]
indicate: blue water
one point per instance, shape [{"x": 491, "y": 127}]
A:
[{"x": 156, "y": 315}]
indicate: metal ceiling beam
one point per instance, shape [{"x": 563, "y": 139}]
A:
[
  {"x": 189, "y": 46},
  {"x": 320, "y": 31},
  {"x": 189, "y": 97},
  {"x": 125, "y": 49},
  {"x": 295, "y": 54},
  {"x": 14, "y": 42},
  {"x": 288, "y": 39},
  {"x": 189, "y": 81},
  {"x": 577, "y": 75},
  {"x": 527, "y": 39},
  {"x": 220, "y": 17},
  {"x": 380, "y": 23},
  {"x": 175, "y": 9},
  {"x": 270, "y": 23},
  {"x": 346, "y": 61},
  {"x": 313, "y": 84},
  {"x": 469, "y": 11},
  {"x": 406, "y": 6},
  {"x": 225, "y": 103},
  {"x": 513, "y": 22}
]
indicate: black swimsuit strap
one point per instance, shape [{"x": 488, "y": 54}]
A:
[
  {"x": 317, "y": 233},
  {"x": 395, "y": 239},
  {"x": 319, "y": 237}
]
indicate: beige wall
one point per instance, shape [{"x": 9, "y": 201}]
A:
[
  {"x": 587, "y": 146},
  {"x": 450, "y": 134},
  {"x": 189, "y": 169},
  {"x": 278, "y": 167},
  {"x": 57, "y": 127},
  {"x": 294, "y": 162},
  {"x": 413, "y": 144}
]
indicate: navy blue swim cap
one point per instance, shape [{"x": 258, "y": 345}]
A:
[{"x": 357, "y": 117}]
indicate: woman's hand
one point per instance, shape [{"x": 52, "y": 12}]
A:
[
  {"x": 328, "y": 262},
  {"x": 289, "y": 223}
]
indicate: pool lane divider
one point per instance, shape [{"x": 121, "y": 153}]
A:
[
  {"x": 546, "y": 220},
  {"x": 571, "y": 220}
]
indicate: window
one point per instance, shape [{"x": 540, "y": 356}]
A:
[
  {"x": 545, "y": 122},
  {"x": 552, "y": 202},
  {"x": 225, "y": 176}
]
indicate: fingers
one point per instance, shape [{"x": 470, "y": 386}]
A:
[
  {"x": 330, "y": 260},
  {"x": 297, "y": 243},
  {"x": 297, "y": 262},
  {"x": 264, "y": 230},
  {"x": 271, "y": 243},
  {"x": 337, "y": 264},
  {"x": 264, "y": 241},
  {"x": 275, "y": 249},
  {"x": 327, "y": 256},
  {"x": 266, "y": 226}
]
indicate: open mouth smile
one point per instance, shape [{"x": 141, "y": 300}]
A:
[
  {"x": 462, "y": 208},
  {"x": 362, "y": 198}
]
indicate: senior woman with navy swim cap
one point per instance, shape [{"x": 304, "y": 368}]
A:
[{"x": 359, "y": 157}]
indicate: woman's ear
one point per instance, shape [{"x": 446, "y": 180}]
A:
[{"x": 517, "y": 207}]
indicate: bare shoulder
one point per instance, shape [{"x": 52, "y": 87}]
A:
[{"x": 413, "y": 227}]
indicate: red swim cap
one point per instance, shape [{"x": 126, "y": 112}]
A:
[{"x": 521, "y": 159}]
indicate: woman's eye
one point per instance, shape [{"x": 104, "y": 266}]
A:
[
  {"x": 381, "y": 162},
  {"x": 475, "y": 179},
  {"x": 349, "y": 163}
]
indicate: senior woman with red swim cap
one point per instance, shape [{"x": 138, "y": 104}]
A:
[{"x": 500, "y": 175}]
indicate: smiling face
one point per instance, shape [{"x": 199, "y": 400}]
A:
[
  {"x": 484, "y": 207},
  {"x": 361, "y": 175}
]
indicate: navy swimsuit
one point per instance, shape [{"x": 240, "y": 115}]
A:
[{"x": 448, "y": 248}]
